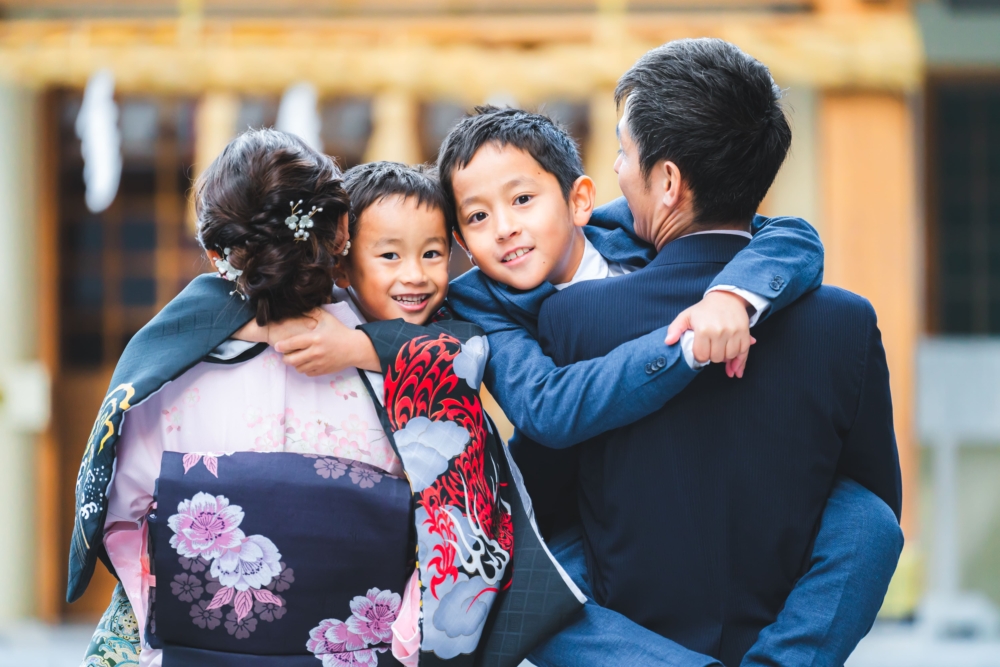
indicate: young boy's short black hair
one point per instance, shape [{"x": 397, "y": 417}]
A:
[
  {"x": 716, "y": 113},
  {"x": 370, "y": 183},
  {"x": 536, "y": 134}
]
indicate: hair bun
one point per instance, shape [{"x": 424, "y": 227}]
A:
[{"x": 246, "y": 201}]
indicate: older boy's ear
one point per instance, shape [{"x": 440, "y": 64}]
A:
[
  {"x": 581, "y": 199},
  {"x": 460, "y": 241}
]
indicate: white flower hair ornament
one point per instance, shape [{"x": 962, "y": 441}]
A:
[
  {"x": 300, "y": 222},
  {"x": 227, "y": 271}
]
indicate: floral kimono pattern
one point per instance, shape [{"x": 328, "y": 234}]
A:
[
  {"x": 490, "y": 590},
  {"x": 472, "y": 516}
]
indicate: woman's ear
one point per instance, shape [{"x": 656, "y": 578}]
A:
[
  {"x": 213, "y": 256},
  {"x": 581, "y": 199},
  {"x": 342, "y": 230}
]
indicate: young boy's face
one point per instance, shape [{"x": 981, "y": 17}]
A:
[
  {"x": 515, "y": 221},
  {"x": 398, "y": 262}
]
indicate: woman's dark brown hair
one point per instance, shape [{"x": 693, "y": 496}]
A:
[{"x": 242, "y": 200}]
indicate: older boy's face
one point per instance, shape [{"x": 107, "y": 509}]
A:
[
  {"x": 514, "y": 219},
  {"x": 398, "y": 262}
]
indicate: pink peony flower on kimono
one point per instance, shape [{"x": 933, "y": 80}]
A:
[
  {"x": 206, "y": 526},
  {"x": 333, "y": 636},
  {"x": 253, "y": 565},
  {"x": 364, "y": 658},
  {"x": 373, "y": 614}
]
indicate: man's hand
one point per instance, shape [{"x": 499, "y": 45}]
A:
[
  {"x": 721, "y": 330},
  {"x": 325, "y": 347}
]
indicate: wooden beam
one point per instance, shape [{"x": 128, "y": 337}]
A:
[
  {"x": 871, "y": 232},
  {"x": 462, "y": 58}
]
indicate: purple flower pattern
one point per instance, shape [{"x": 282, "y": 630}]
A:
[
  {"x": 239, "y": 571},
  {"x": 330, "y": 468},
  {"x": 187, "y": 587},
  {"x": 240, "y": 627},
  {"x": 364, "y": 475},
  {"x": 205, "y": 618}
]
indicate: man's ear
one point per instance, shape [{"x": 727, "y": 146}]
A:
[
  {"x": 582, "y": 195},
  {"x": 673, "y": 184}
]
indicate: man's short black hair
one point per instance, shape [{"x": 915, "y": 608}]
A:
[
  {"x": 536, "y": 134},
  {"x": 716, "y": 113},
  {"x": 367, "y": 184}
]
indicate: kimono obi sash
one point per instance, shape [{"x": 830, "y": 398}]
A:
[{"x": 277, "y": 559}]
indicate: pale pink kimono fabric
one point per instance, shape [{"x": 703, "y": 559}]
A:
[{"x": 259, "y": 405}]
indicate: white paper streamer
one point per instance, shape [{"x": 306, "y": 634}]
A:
[
  {"x": 100, "y": 141},
  {"x": 298, "y": 114}
]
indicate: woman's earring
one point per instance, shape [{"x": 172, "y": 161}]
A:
[{"x": 347, "y": 247}]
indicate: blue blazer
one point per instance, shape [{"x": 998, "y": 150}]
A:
[
  {"x": 699, "y": 518},
  {"x": 560, "y": 407}
]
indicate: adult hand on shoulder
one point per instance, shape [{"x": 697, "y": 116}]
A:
[
  {"x": 721, "y": 328},
  {"x": 328, "y": 346}
]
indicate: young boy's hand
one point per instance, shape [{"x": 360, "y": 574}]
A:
[
  {"x": 327, "y": 346},
  {"x": 721, "y": 328}
]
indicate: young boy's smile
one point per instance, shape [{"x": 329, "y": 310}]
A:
[
  {"x": 515, "y": 221},
  {"x": 398, "y": 262}
]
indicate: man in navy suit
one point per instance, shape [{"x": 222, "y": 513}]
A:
[{"x": 699, "y": 519}]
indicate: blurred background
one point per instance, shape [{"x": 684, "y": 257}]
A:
[{"x": 109, "y": 108}]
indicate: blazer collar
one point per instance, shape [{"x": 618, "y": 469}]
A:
[{"x": 701, "y": 248}]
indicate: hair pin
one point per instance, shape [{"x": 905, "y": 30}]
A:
[
  {"x": 300, "y": 223},
  {"x": 227, "y": 271}
]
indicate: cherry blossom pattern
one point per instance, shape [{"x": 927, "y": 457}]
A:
[{"x": 359, "y": 639}]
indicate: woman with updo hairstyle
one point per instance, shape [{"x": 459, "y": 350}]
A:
[
  {"x": 243, "y": 202},
  {"x": 253, "y": 515}
]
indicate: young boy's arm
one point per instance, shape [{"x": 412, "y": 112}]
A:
[
  {"x": 562, "y": 406},
  {"x": 783, "y": 262}
]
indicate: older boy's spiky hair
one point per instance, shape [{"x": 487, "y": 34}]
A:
[
  {"x": 536, "y": 134},
  {"x": 367, "y": 184}
]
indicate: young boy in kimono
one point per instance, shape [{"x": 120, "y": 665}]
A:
[{"x": 524, "y": 210}]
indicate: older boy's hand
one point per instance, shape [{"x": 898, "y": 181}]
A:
[
  {"x": 721, "y": 328},
  {"x": 327, "y": 347}
]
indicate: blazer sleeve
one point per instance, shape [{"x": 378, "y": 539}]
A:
[
  {"x": 561, "y": 406},
  {"x": 782, "y": 262},
  {"x": 869, "y": 455}
]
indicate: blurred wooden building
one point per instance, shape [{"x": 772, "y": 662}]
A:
[{"x": 883, "y": 144}]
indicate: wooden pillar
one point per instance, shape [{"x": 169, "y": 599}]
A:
[
  {"x": 602, "y": 145},
  {"x": 395, "y": 134},
  {"x": 871, "y": 232},
  {"x": 215, "y": 125}
]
